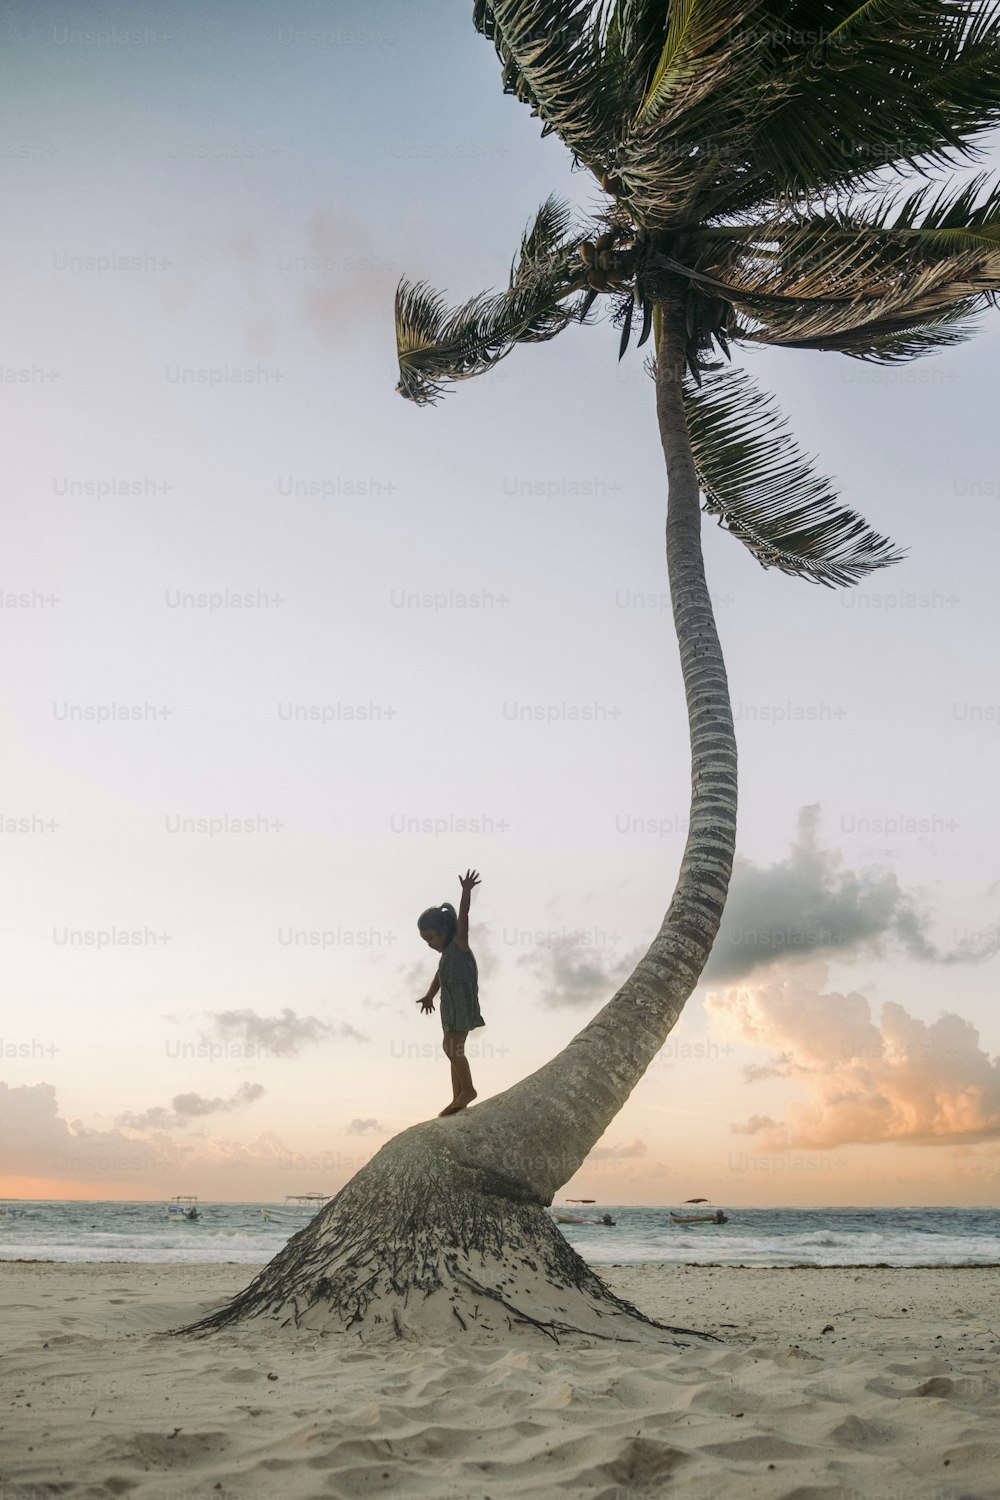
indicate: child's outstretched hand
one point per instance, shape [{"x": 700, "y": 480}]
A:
[
  {"x": 468, "y": 880},
  {"x": 426, "y": 1003}
]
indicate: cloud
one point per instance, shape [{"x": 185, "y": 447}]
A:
[
  {"x": 41, "y": 1143},
  {"x": 755, "y": 1125},
  {"x": 193, "y": 1106},
  {"x": 968, "y": 1161},
  {"x": 575, "y": 973},
  {"x": 807, "y": 905},
  {"x": 333, "y": 274},
  {"x": 342, "y": 277},
  {"x": 756, "y": 1072},
  {"x": 278, "y": 1036},
  {"x": 188, "y": 1107},
  {"x": 47, "y": 1154},
  {"x": 866, "y": 1081},
  {"x": 800, "y": 908},
  {"x": 618, "y": 1153},
  {"x": 362, "y": 1127},
  {"x": 417, "y": 974}
]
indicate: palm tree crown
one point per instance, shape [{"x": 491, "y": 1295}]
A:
[{"x": 751, "y": 157}]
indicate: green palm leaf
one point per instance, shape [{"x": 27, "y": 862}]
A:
[
  {"x": 633, "y": 45},
  {"x": 755, "y": 479},
  {"x": 893, "y": 83},
  {"x": 690, "y": 126},
  {"x": 744, "y": 148},
  {"x": 438, "y": 345},
  {"x": 942, "y": 219},
  {"x": 693, "y": 29}
]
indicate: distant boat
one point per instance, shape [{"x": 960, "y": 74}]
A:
[
  {"x": 607, "y": 1222},
  {"x": 299, "y": 1208},
  {"x": 177, "y": 1213},
  {"x": 718, "y": 1217}
]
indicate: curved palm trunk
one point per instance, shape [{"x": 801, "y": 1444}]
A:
[
  {"x": 446, "y": 1226},
  {"x": 541, "y": 1130}
]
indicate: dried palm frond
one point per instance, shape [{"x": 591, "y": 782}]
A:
[
  {"x": 438, "y": 345},
  {"x": 552, "y": 60}
]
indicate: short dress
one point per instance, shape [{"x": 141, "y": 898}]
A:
[{"x": 459, "y": 980}]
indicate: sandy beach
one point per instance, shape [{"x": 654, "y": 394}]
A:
[{"x": 823, "y": 1384}]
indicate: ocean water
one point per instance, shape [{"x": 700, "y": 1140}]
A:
[
  {"x": 794, "y": 1237},
  {"x": 239, "y": 1232}
]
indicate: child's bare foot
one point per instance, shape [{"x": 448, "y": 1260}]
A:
[
  {"x": 462, "y": 1102},
  {"x": 449, "y": 1109}
]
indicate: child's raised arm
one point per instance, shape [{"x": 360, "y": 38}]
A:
[{"x": 468, "y": 880}]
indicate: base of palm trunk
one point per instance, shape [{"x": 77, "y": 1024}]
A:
[{"x": 421, "y": 1245}]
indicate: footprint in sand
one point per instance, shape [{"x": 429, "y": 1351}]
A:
[
  {"x": 855, "y": 1432},
  {"x": 757, "y": 1447},
  {"x": 163, "y": 1450},
  {"x": 641, "y": 1465}
]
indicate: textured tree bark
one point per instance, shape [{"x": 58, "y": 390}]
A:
[{"x": 445, "y": 1228}]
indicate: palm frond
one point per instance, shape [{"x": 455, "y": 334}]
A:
[
  {"x": 633, "y": 43},
  {"x": 438, "y": 345},
  {"x": 892, "y": 340},
  {"x": 763, "y": 489},
  {"x": 691, "y": 123},
  {"x": 881, "y": 268},
  {"x": 945, "y": 219},
  {"x": 929, "y": 296},
  {"x": 696, "y": 109},
  {"x": 723, "y": 131},
  {"x": 860, "y": 248},
  {"x": 550, "y": 234},
  {"x": 552, "y": 57},
  {"x": 898, "y": 84},
  {"x": 693, "y": 28}
]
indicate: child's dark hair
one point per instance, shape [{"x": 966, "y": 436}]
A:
[{"x": 440, "y": 919}]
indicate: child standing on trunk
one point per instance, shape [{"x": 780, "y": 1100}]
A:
[{"x": 458, "y": 980}]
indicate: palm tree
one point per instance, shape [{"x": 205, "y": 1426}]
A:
[{"x": 749, "y": 158}]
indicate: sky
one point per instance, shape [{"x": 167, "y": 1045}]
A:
[{"x": 286, "y": 655}]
